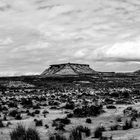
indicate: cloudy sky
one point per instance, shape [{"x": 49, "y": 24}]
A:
[{"x": 37, "y": 33}]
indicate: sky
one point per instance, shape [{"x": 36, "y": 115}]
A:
[{"x": 36, "y": 33}]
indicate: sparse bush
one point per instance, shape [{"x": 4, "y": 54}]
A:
[
  {"x": 32, "y": 134},
  {"x": 57, "y": 137},
  {"x": 98, "y": 132},
  {"x": 38, "y": 122},
  {"x": 60, "y": 126},
  {"x": 105, "y": 138},
  {"x": 5, "y": 118},
  {"x": 69, "y": 106},
  {"x": 12, "y": 104},
  {"x": 8, "y": 123},
  {"x": 128, "y": 125},
  {"x": 131, "y": 112},
  {"x": 20, "y": 133},
  {"x": 46, "y": 126},
  {"x": 45, "y": 112},
  {"x": 75, "y": 135},
  {"x": 1, "y": 124},
  {"x": 114, "y": 127},
  {"x": 111, "y": 107},
  {"x": 36, "y": 106},
  {"x": 83, "y": 129},
  {"x": 64, "y": 121},
  {"x": 93, "y": 110},
  {"x": 88, "y": 120},
  {"x": 18, "y": 117},
  {"x": 26, "y": 102},
  {"x": 118, "y": 119},
  {"x": 37, "y": 112},
  {"x": 13, "y": 113},
  {"x": 70, "y": 115},
  {"x": 31, "y": 114},
  {"x": 87, "y": 132}
]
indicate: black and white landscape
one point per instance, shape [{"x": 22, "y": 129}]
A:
[{"x": 69, "y": 70}]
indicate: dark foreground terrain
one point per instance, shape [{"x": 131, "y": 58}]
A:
[{"x": 102, "y": 108}]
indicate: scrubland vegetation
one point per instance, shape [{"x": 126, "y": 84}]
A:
[{"x": 69, "y": 112}]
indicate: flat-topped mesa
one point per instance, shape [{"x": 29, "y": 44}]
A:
[{"x": 68, "y": 69}]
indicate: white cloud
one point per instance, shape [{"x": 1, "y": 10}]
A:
[
  {"x": 81, "y": 53},
  {"x": 83, "y": 31},
  {"x": 127, "y": 50},
  {"x": 122, "y": 51},
  {"x": 6, "y": 41}
]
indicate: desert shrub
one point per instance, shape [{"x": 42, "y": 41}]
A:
[
  {"x": 54, "y": 107},
  {"x": 57, "y": 137},
  {"x": 88, "y": 120},
  {"x": 5, "y": 108},
  {"x": 65, "y": 121},
  {"x": 93, "y": 110},
  {"x": 60, "y": 127},
  {"x": 13, "y": 113},
  {"x": 32, "y": 114},
  {"x": 36, "y": 106},
  {"x": 1, "y": 108},
  {"x": 27, "y": 102},
  {"x": 45, "y": 112},
  {"x": 131, "y": 112},
  {"x": 118, "y": 119},
  {"x": 133, "y": 118},
  {"x": 128, "y": 125},
  {"x": 111, "y": 107},
  {"x": 46, "y": 126},
  {"x": 38, "y": 122},
  {"x": 37, "y": 112},
  {"x": 87, "y": 131},
  {"x": 42, "y": 99},
  {"x": 69, "y": 106},
  {"x": 83, "y": 129},
  {"x": 75, "y": 134},
  {"x": 1, "y": 124},
  {"x": 18, "y": 117},
  {"x": 12, "y": 104},
  {"x": 53, "y": 103},
  {"x": 105, "y": 138},
  {"x": 8, "y": 123},
  {"x": 98, "y": 132},
  {"x": 5, "y": 118},
  {"x": 114, "y": 127},
  {"x": 20, "y": 133},
  {"x": 32, "y": 134},
  {"x": 70, "y": 115},
  {"x": 27, "y": 111}
]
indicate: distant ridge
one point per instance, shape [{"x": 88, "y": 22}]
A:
[{"x": 137, "y": 72}]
